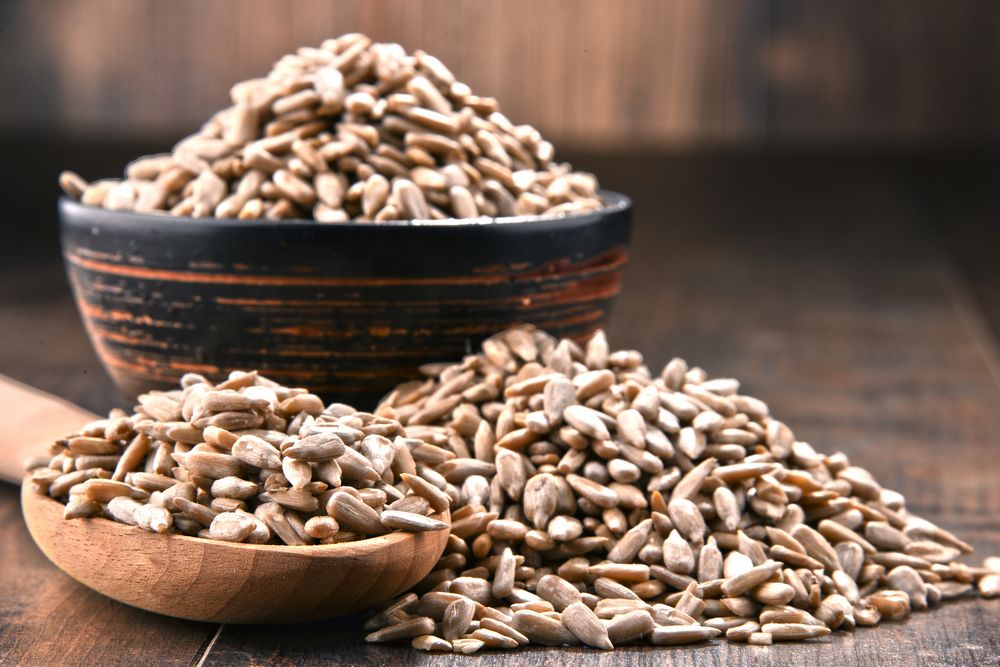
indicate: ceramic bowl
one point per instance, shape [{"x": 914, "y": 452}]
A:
[{"x": 347, "y": 309}]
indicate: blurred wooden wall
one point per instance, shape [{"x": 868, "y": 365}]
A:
[{"x": 596, "y": 73}]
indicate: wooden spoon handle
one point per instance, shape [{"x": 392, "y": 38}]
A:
[{"x": 32, "y": 420}]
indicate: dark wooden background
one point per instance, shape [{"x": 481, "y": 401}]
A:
[{"x": 592, "y": 73}]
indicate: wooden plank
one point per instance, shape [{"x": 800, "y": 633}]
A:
[
  {"x": 39, "y": 419},
  {"x": 46, "y": 618},
  {"x": 598, "y": 72},
  {"x": 592, "y": 73},
  {"x": 829, "y": 303},
  {"x": 884, "y": 71},
  {"x": 962, "y": 209}
]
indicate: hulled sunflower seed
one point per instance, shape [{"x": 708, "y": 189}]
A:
[
  {"x": 409, "y": 521},
  {"x": 457, "y": 617},
  {"x": 408, "y": 629},
  {"x": 794, "y": 631},
  {"x": 542, "y": 629},
  {"x": 583, "y": 622}
]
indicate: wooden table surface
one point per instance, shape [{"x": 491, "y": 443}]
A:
[{"x": 837, "y": 290}]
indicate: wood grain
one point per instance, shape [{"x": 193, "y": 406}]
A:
[
  {"x": 599, "y": 72},
  {"x": 813, "y": 281},
  {"x": 867, "y": 71},
  {"x": 39, "y": 418},
  {"x": 591, "y": 73},
  {"x": 46, "y": 618}
]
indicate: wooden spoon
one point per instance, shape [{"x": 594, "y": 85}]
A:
[
  {"x": 209, "y": 580},
  {"x": 33, "y": 420}
]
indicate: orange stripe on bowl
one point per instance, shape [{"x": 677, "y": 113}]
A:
[{"x": 615, "y": 258}]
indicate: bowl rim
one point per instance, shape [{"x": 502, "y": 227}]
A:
[
  {"x": 343, "y": 549},
  {"x": 615, "y": 203}
]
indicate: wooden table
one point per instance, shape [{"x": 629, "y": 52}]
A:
[{"x": 823, "y": 285}]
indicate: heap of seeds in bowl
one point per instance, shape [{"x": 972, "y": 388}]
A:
[
  {"x": 352, "y": 130},
  {"x": 594, "y": 502},
  {"x": 246, "y": 460}
]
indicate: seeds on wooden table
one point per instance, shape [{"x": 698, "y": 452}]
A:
[
  {"x": 566, "y": 508},
  {"x": 430, "y": 643},
  {"x": 494, "y": 639},
  {"x": 794, "y": 631},
  {"x": 607, "y": 485},
  {"x": 467, "y": 645},
  {"x": 408, "y": 629},
  {"x": 906, "y": 579}
]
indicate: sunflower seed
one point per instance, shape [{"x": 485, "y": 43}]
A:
[
  {"x": 794, "y": 631},
  {"x": 80, "y": 506},
  {"x": 542, "y": 629},
  {"x": 989, "y": 585},
  {"x": 409, "y": 521},
  {"x": 430, "y": 643},
  {"x": 457, "y": 617},
  {"x": 467, "y": 645},
  {"x": 408, "y": 629},
  {"x": 583, "y": 622},
  {"x": 558, "y": 591},
  {"x": 629, "y": 626},
  {"x": 741, "y": 583},
  {"x": 153, "y": 518},
  {"x": 354, "y": 514}
]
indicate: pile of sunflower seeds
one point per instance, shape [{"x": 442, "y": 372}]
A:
[
  {"x": 352, "y": 130},
  {"x": 246, "y": 460},
  {"x": 596, "y": 503}
]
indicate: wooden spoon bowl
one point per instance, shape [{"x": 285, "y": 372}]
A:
[{"x": 223, "y": 582}]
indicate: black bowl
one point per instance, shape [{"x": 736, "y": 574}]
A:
[{"x": 347, "y": 309}]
